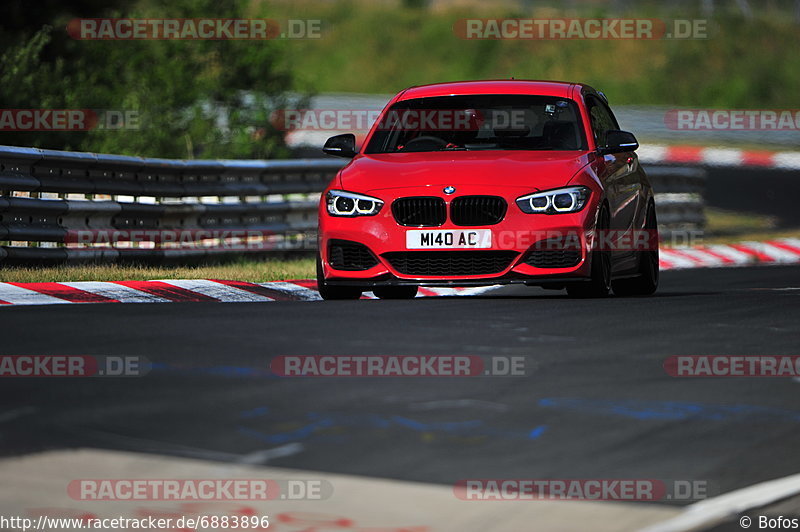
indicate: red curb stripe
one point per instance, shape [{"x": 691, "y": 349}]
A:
[
  {"x": 305, "y": 283},
  {"x": 67, "y": 293},
  {"x": 753, "y": 253},
  {"x": 758, "y": 158},
  {"x": 685, "y": 154},
  {"x": 167, "y": 291},
  {"x": 257, "y": 289},
  {"x": 786, "y": 247},
  {"x": 720, "y": 256},
  {"x": 699, "y": 262}
]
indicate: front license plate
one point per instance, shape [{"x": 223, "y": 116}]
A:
[{"x": 455, "y": 239}]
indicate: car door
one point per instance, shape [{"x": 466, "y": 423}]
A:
[{"x": 617, "y": 173}]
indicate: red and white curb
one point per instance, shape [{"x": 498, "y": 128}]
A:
[
  {"x": 777, "y": 160},
  {"x": 179, "y": 291},
  {"x": 782, "y": 251}
]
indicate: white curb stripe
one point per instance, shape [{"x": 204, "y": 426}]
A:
[
  {"x": 469, "y": 291},
  {"x": 303, "y": 293},
  {"x": 123, "y": 294},
  {"x": 739, "y": 258},
  {"x": 677, "y": 259},
  {"x": 216, "y": 290},
  {"x": 704, "y": 514},
  {"x": 22, "y": 296},
  {"x": 444, "y": 291},
  {"x": 777, "y": 254},
  {"x": 705, "y": 259},
  {"x": 786, "y": 161},
  {"x": 651, "y": 153},
  {"x": 722, "y": 157}
]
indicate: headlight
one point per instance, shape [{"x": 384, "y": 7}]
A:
[
  {"x": 560, "y": 200},
  {"x": 341, "y": 203}
]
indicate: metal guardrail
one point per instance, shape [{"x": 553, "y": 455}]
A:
[
  {"x": 679, "y": 193},
  {"x": 58, "y": 206}
]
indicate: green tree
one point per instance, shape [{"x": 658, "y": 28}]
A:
[{"x": 193, "y": 98}]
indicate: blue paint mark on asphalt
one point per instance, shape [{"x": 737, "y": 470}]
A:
[
  {"x": 671, "y": 410},
  {"x": 285, "y": 437},
  {"x": 255, "y": 412},
  {"x": 319, "y": 421},
  {"x": 538, "y": 431}
]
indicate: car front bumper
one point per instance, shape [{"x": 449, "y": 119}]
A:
[{"x": 516, "y": 233}]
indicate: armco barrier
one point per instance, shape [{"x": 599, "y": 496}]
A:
[
  {"x": 58, "y": 206},
  {"x": 64, "y": 206},
  {"x": 679, "y": 193}
]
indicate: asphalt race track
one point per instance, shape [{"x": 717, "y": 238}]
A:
[{"x": 597, "y": 402}]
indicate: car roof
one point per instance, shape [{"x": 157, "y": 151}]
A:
[{"x": 559, "y": 89}]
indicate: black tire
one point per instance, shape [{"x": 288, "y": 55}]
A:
[
  {"x": 646, "y": 283},
  {"x": 600, "y": 283},
  {"x": 328, "y": 292},
  {"x": 396, "y": 292}
]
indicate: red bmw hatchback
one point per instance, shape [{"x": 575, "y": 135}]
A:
[{"x": 489, "y": 182}]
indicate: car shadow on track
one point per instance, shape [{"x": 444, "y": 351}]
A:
[{"x": 564, "y": 296}]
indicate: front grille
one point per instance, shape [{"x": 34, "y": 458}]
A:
[
  {"x": 553, "y": 254},
  {"x": 477, "y": 210},
  {"x": 350, "y": 256},
  {"x": 420, "y": 211},
  {"x": 444, "y": 263}
]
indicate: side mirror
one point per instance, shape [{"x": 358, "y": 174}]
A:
[
  {"x": 618, "y": 141},
  {"x": 341, "y": 145}
]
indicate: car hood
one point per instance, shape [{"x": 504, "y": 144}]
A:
[{"x": 534, "y": 170}]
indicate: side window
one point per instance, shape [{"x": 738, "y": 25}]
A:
[
  {"x": 610, "y": 113},
  {"x": 602, "y": 119}
]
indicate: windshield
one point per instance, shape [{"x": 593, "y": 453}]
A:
[{"x": 479, "y": 122}]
